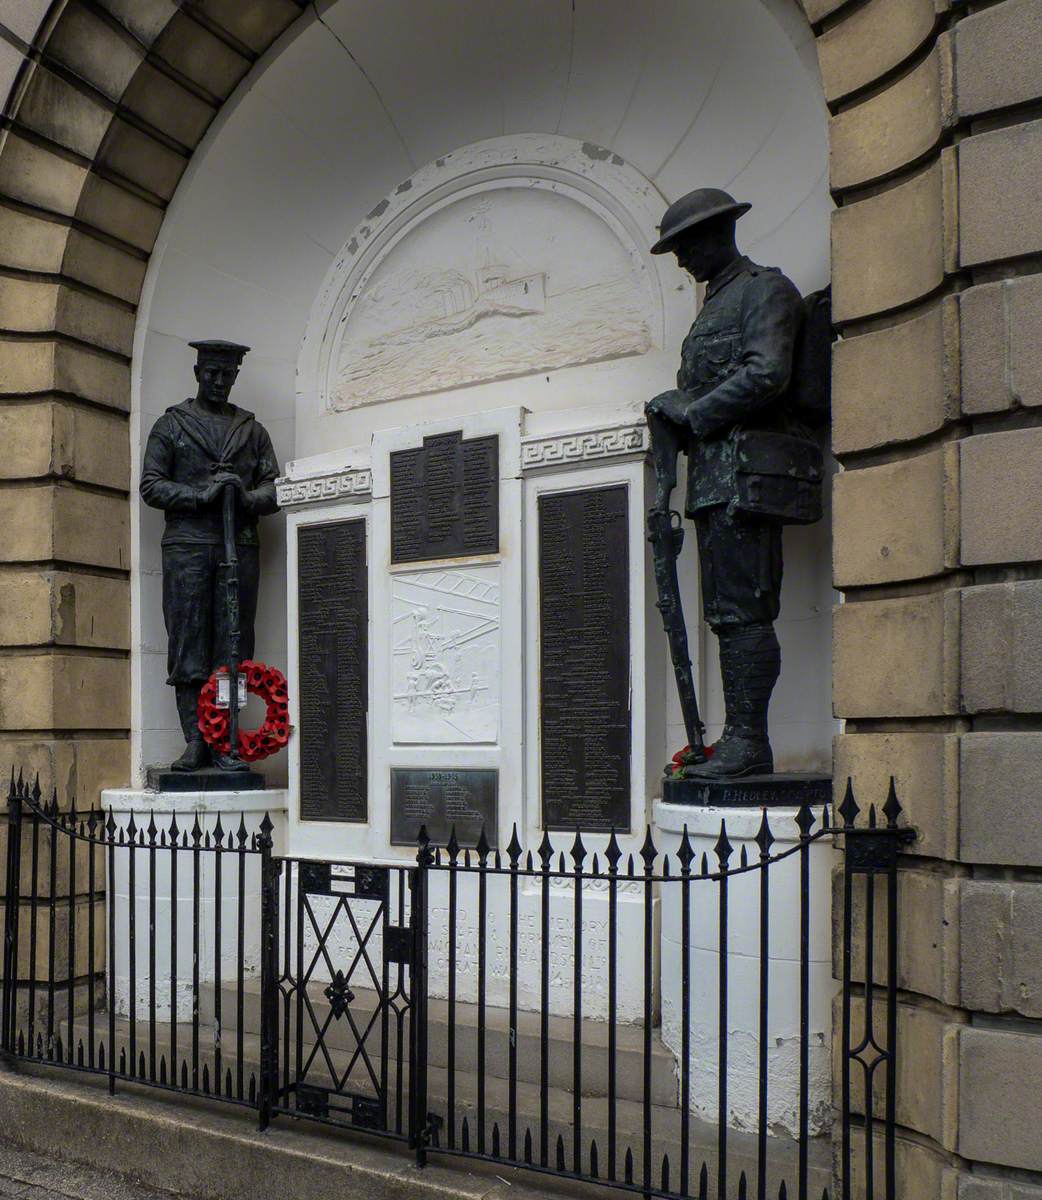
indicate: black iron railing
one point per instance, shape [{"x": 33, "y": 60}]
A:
[
  {"x": 102, "y": 974},
  {"x": 487, "y": 1003},
  {"x": 632, "y": 1160},
  {"x": 343, "y": 999},
  {"x": 871, "y": 858}
]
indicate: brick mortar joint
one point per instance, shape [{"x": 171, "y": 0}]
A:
[
  {"x": 64, "y": 339},
  {"x": 60, "y": 280},
  {"x": 63, "y": 483},
  {"x": 74, "y": 224},
  {"x": 91, "y": 166},
  {"x": 892, "y": 74},
  {"x": 115, "y": 108}
]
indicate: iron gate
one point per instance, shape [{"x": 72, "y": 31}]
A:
[
  {"x": 406, "y": 1000},
  {"x": 339, "y": 993}
]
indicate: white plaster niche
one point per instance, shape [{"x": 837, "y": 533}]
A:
[
  {"x": 445, "y": 655},
  {"x": 509, "y": 258}
]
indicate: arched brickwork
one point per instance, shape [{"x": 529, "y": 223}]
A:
[{"x": 936, "y": 168}]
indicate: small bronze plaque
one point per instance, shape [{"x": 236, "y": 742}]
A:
[
  {"x": 445, "y": 498},
  {"x": 333, "y": 624},
  {"x": 584, "y": 665},
  {"x": 440, "y": 799}
]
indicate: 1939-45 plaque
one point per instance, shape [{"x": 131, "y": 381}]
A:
[
  {"x": 439, "y": 799},
  {"x": 584, "y": 658},
  {"x": 445, "y": 498},
  {"x": 333, "y": 615}
]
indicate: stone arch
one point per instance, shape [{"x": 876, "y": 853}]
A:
[{"x": 107, "y": 104}]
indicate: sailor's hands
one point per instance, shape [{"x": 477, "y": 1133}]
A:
[
  {"x": 215, "y": 489},
  {"x": 671, "y": 405}
]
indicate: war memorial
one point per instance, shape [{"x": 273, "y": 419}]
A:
[{"x": 518, "y": 650}]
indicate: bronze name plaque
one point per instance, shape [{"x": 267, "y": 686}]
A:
[
  {"x": 439, "y": 799},
  {"x": 584, "y": 623},
  {"x": 332, "y": 617},
  {"x": 445, "y": 498}
]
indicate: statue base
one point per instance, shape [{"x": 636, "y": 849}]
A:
[
  {"x": 700, "y": 827},
  {"x": 782, "y": 790},
  {"x": 209, "y": 779},
  {"x": 173, "y": 890}
]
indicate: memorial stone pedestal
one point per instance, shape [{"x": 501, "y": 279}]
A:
[
  {"x": 702, "y": 823},
  {"x": 781, "y": 790},
  {"x": 210, "y": 779},
  {"x": 206, "y": 807}
]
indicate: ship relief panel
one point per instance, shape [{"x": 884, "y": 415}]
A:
[
  {"x": 332, "y": 607},
  {"x": 476, "y": 290},
  {"x": 584, "y": 659}
]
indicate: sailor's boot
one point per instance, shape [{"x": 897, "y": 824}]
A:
[
  {"x": 225, "y": 762},
  {"x": 197, "y": 753},
  {"x": 750, "y": 662}
]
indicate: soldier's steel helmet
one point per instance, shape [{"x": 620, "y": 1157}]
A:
[{"x": 700, "y": 205}]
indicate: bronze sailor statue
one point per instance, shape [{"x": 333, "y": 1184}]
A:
[
  {"x": 748, "y": 392},
  {"x": 211, "y": 467}
]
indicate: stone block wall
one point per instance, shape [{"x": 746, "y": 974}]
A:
[
  {"x": 105, "y": 104},
  {"x": 937, "y": 243}
]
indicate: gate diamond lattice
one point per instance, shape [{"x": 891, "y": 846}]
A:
[{"x": 344, "y": 994}]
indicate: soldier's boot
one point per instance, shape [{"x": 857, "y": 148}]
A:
[
  {"x": 750, "y": 662},
  {"x": 197, "y": 753}
]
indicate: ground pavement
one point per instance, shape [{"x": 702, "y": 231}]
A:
[{"x": 33, "y": 1177}]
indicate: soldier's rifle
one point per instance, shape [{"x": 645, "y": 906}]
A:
[{"x": 666, "y": 535}]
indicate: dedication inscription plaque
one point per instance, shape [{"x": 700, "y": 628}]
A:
[
  {"x": 439, "y": 799},
  {"x": 445, "y": 498},
  {"x": 332, "y": 607},
  {"x": 584, "y": 658}
]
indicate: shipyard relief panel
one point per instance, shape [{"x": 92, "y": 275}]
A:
[{"x": 446, "y": 656}]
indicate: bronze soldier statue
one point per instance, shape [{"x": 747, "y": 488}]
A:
[
  {"x": 195, "y": 451},
  {"x": 752, "y": 467}
]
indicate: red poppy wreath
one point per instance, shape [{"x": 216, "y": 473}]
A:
[{"x": 254, "y": 744}]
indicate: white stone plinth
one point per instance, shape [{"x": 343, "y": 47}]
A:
[
  {"x": 561, "y": 945},
  {"x": 186, "y": 808},
  {"x": 743, "y": 969}
]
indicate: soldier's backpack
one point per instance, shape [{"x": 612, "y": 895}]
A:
[
  {"x": 812, "y": 364},
  {"x": 780, "y": 476}
]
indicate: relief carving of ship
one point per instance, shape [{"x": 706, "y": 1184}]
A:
[{"x": 491, "y": 292}]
